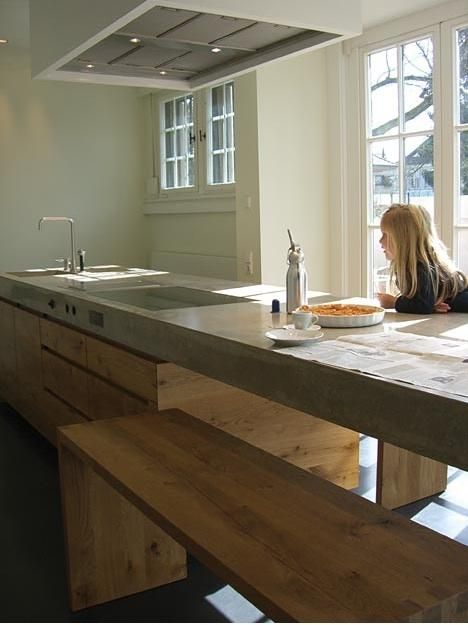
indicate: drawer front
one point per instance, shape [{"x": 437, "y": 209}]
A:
[
  {"x": 56, "y": 413},
  {"x": 107, "y": 401},
  {"x": 28, "y": 351},
  {"x": 123, "y": 369},
  {"x": 7, "y": 352},
  {"x": 68, "y": 343},
  {"x": 66, "y": 381}
]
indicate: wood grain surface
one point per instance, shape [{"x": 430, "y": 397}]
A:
[
  {"x": 122, "y": 368},
  {"x": 299, "y": 547},
  {"x": 112, "y": 548},
  {"x": 404, "y": 477},
  {"x": 69, "y": 343},
  {"x": 323, "y": 448},
  {"x": 7, "y": 352}
]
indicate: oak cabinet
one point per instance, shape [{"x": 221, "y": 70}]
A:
[
  {"x": 55, "y": 375},
  {"x": 28, "y": 396},
  {"x": 7, "y": 352},
  {"x": 72, "y": 377},
  {"x": 94, "y": 378},
  {"x": 107, "y": 401},
  {"x": 65, "y": 381}
]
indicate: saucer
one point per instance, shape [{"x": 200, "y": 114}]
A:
[
  {"x": 313, "y": 328},
  {"x": 290, "y": 337}
]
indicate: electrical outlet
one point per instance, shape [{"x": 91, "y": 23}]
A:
[{"x": 249, "y": 264}]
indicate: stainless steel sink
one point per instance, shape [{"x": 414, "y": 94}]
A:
[
  {"x": 57, "y": 271},
  {"x": 167, "y": 297},
  {"x": 36, "y": 273}
]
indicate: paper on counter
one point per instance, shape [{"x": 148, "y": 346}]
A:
[{"x": 439, "y": 364}]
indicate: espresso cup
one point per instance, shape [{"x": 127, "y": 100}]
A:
[{"x": 302, "y": 319}]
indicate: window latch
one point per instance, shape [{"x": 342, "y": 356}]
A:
[{"x": 202, "y": 135}]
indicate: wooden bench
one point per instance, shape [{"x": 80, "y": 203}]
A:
[{"x": 137, "y": 491}]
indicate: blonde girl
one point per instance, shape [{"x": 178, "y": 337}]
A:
[{"x": 419, "y": 264}]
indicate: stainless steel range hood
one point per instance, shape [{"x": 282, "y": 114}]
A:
[{"x": 182, "y": 44}]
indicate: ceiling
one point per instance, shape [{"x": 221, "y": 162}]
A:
[
  {"x": 181, "y": 43},
  {"x": 376, "y": 12},
  {"x": 171, "y": 43}
]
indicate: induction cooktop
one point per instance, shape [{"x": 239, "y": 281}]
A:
[{"x": 167, "y": 297}]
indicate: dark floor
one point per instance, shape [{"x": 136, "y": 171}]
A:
[{"x": 32, "y": 566}]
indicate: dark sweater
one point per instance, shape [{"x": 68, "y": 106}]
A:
[{"x": 424, "y": 300}]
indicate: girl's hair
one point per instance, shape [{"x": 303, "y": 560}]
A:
[{"x": 413, "y": 239}]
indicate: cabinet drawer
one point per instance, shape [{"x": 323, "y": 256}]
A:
[
  {"x": 56, "y": 413},
  {"x": 65, "y": 381},
  {"x": 68, "y": 343},
  {"x": 123, "y": 369},
  {"x": 7, "y": 352},
  {"x": 107, "y": 401}
]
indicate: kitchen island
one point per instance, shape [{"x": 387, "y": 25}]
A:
[{"x": 227, "y": 343}]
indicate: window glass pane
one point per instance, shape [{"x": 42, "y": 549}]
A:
[
  {"x": 169, "y": 145},
  {"x": 462, "y": 245},
  {"x": 463, "y": 200},
  {"x": 217, "y": 101},
  {"x": 217, "y": 136},
  {"x": 191, "y": 172},
  {"x": 419, "y": 171},
  {"x": 169, "y": 174},
  {"x": 229, "y": 95},
  {"x": 230, "y": 166},
  {"x": 181, "y": 169},
  {"x": 383, "y": 84},
  {"x": 418, "y": 62},
  {"x": 189, "y": 109},
  {"x": 168, "y": 115},
  {"x": 218, "y": 168},
  {"x": 462, "y": 46},
  {"x": 181, "y": 143},
  {"x": 190, "y": 142},
  {"x": 230, "y": 132},
  {"x": 180, "y": 111},
  {"x": 384, "y": 176},
  {"x": 380, "y": 269}
]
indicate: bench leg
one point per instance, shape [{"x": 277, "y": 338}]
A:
[
  {"x": 404, "y": 477},
  {"x": 113, "y": 550}
]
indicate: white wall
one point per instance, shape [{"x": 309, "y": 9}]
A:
[
  {"x": 248, "y": 240},
  {"x": 66, "y": 149},
  {"x": 294, "y": 166},
  {"x": 194, "y": 235},
  {"x": 281, "y": 182}
]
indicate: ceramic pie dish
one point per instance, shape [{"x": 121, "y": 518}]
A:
[{"x": 347, "y": 315}]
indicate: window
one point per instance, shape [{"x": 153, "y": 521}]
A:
[
  {"x": 410, "y": 121},
  {"x": 177, "y": 143},
  {"x": 196, "y": 150},
  {"x": 221, "y": 136},
  {"x": 400, "y": 134},
  {"x": 461, "y": 143}
]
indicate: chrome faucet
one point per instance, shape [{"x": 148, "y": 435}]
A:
[{"x": 73, "y": 268}]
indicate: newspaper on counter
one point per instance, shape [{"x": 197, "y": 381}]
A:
[{"x": 435, "y": 363}]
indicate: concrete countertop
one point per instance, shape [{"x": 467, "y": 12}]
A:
[{"x": 227, "y": 342}]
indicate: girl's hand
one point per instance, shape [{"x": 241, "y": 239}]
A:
[
  {"x": 386, "y": 300},
  {"x": 441, "y": 307}
]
